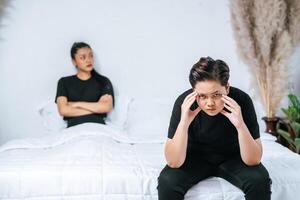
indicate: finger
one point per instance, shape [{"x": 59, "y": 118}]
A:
[
  {"x": 229, "y": 103},
  {"x": 197, "y": 98},
  {"x": 196, "y": 111},
  {"x": 190, "y": 101},
  {"x": 191, "y": 95},
  {"x": 230, "y": 108},
  {"x": 190, "y": 98},
  {"x": 230, "y": 100},
  {"x": 225, "y": 113}
]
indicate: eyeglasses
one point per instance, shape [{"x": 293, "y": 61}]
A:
[{"x": 215, "y": 97}]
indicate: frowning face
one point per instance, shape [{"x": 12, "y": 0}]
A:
[
  {"x": 209, "y": 96},
  {"x": 84, "y": 59}
]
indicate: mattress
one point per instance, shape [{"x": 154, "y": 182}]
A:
[{"x": 91, "y": 161}]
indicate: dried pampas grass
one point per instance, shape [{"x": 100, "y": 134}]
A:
[
  {"x": 3, "y": 4},
  {"x": 266, "y": 33}
]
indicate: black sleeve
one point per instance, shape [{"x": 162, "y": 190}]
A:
[
  {"x": 108, "y": 89},
  {"x": 249, "y": 117},
  {"x": 175, "y": 117},
  {"x": 61, "y": 89}
]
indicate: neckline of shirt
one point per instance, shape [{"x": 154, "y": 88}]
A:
[{"x": 83, "y": 80}]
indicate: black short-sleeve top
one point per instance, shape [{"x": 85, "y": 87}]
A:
[
  {"x": 75, "y": 89},
  {"x": 215, "y": 134}
]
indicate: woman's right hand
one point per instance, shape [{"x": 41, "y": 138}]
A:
[{"x": 187, "y": 115}]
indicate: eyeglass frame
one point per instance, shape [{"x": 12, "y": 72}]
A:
[{"x": 215, "y": 97}]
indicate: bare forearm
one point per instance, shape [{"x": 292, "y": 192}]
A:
[
  {"x": 69, "y": 111},
  {"x": 176, "y": 147},
  {"x": 94, "y": 107},
  {"x": 251, "y": 151}
]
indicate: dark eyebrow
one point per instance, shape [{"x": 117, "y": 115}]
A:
[{"x": 210, "y": 93}]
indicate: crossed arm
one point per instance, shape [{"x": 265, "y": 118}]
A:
[{"x": 79, "y": 108}]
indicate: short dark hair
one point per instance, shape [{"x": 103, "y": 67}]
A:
[
  {"x": 209, "y": 69},
  {"x": 76, "y": 46}
]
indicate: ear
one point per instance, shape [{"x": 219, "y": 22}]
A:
[
  {"x": 227, "y": 88},
  {"x": 74, "y": 62}
]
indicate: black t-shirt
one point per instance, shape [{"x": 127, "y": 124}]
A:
[
  {"x": 215, "y": 135},
  {"x": 89, "y": 90}
]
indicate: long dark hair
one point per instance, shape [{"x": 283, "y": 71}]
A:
[
  {"x": 78, "y": 45},
  {"x": 102, "y": 79}
]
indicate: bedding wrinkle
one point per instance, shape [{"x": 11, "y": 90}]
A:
[{"x": 92, "y": 162}]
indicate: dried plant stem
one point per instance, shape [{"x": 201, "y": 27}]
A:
[{"x": 266, "y": 33}]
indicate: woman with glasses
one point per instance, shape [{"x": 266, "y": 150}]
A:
[{"x": 213, "y": 131}]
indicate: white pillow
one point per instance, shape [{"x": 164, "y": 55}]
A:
[
  {"x": 51, "y": 119},
  {"x": 117, "y": 118},
  {"x": 148, "y": 119}
]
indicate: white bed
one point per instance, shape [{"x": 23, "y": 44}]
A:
[{"x": 92, "y": 161}]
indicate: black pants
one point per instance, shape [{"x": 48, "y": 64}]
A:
[{"x": 254, "y": 181}]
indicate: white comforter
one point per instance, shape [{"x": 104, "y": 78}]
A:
[{"x": 92, "y": 161}]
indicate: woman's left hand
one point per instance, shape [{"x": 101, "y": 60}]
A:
[{"x": 235, "y": 114}]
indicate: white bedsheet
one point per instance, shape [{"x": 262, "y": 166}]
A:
[{"x": 92, "y": 161}]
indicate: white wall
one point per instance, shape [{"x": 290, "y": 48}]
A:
[{"x": 144, "y": 47}]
